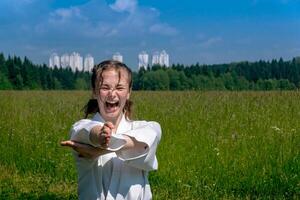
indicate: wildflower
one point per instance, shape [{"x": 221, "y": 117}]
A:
[
  {"x": 275, "y": 128},
  {"x": 234, "y": 136}
]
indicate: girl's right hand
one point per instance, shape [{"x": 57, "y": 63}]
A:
[{"x": 105, "y": 134}]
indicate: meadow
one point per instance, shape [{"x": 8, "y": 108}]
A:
[{"x": 215, "y": 145}]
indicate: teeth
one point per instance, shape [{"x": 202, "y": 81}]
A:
[{"x": 112, "y": 102}]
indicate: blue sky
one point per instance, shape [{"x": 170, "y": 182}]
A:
[{"x": 204, "y": 31}]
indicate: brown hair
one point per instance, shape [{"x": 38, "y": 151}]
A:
[{"x": 92, "y": 105}]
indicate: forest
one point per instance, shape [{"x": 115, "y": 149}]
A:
[{"x": 22, "y": 74}]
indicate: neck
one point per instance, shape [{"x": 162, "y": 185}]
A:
[{"x": 115, "y": 122}]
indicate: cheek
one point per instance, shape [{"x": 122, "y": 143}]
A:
[
  {"x": 123, "y": 97},
  {"x": 102, "y": 95},
  {"x": 100, "y": 100}
]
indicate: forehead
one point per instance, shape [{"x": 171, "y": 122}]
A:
[{"x": 115, "y": 76}]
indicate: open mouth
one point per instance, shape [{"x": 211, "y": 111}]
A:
[{"x": 112, "y": 106}]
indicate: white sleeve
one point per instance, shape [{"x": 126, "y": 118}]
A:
[
  {"x": 80, "y": 131},
  {"x": 86, "y": 168},
  {"x": 148, "y": 133}
]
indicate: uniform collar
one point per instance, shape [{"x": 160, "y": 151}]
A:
[{"x": 124, "y": 124}]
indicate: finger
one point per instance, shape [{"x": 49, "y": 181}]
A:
[
  {"x": 107, "y": 141},
  {"x": 105, "y": 135},
  {"x": 106, "y": 130},
  {"x": 74, "y": 145},
  {"x": 104, "y": 143},
  {"x": 67, "y": 143},
  {"x": 109, "y": 125}
]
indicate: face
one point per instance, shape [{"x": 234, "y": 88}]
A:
[{"x": 112, "y": 94}]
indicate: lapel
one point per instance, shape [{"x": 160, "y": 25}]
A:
[
  {"x": 97, "y": 117},
  {"x": 124, "y": 124}
]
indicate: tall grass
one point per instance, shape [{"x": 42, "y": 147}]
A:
[{"x": 229, "y": 145}]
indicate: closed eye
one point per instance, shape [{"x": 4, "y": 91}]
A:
[
  {"x": 120, "y": 88},
  {"x": 104, "y": 88}
]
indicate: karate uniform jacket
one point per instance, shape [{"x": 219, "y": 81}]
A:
[{"x": 122, "y": 174}]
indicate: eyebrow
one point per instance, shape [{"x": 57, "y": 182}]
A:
[{"x": 118, "y": 84}]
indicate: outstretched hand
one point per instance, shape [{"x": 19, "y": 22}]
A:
[
  {"x": 99, "y": 135},
  {"x": 84, "y": 150}
]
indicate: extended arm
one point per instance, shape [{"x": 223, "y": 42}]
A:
[{"x": 136, "y": 147}]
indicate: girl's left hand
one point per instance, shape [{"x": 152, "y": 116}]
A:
[{"x": 84, "y": 150}]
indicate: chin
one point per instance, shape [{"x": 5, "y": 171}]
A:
[{"x": 112, "y": 116}]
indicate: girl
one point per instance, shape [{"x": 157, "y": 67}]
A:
[{"x": 113, "y": 154}]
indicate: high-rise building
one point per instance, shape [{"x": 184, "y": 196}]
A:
[
  {"x": 65, "y": 61},
  {"x": 76, "y": 62},
  {"x": 88, "y": 63},
  {"x": 161, "y": 58},
  {"x": 143, "y": 59},
  {"x": 155, "y": 58},
  {"x": 54, "y": 60},
  {"x": 118, "y": 57},
  {"x": 164, "y": 59}
]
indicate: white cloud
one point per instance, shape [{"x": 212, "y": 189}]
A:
[
  {"x": 95, "y": 25},
  {"x": 211, "y": 42},
  {"x": 63, "y": 15},
  {"x": 98, "y": 20},
  {"x": 124, "y": 5},
  {"x": 163, "y": 29}
]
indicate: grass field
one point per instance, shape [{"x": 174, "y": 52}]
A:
[{"x": 215, "y": 145}]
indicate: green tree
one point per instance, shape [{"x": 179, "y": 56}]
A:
[
  {"x": 81, "y": 84},
  {"x": 228, "y": 81},
  {"x": 57, "y": 84},
  {"x": 285, "y": 84},
  {"x": 19, "y": 82},
  {"x": 156, "y": 80},
  {"x": 4, "y": 83},
  {"x": 174, "y": 79}
]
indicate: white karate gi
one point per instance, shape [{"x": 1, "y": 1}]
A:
[{"x": 122, "y": 174}]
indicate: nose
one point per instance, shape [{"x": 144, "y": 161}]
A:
[{"x": 112, "y": 92}]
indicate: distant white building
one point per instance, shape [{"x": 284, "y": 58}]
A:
[
  {"x": 65, "y": 61},
  {"x": 76, "y": 62},
  {"x": 54, "y": 60},
  {"x": 155, "y": 58},
  {"x": 164, "y": 59},
  {"x": 143, "y": 59},
  {"x": 118, "y": 57},
  {"x": 88, "y": 63},
  {"x": 161, "y": 58}
]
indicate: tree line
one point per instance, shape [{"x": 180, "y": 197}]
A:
[
  {"x": 20, "y": 74},
  {"x": 261, "y": 75}
]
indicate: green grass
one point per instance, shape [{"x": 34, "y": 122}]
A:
[{"x": 215, "y": 145}]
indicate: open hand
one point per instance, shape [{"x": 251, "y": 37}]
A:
[{"x": 84, "y": 150}]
